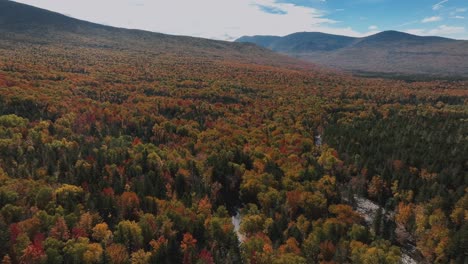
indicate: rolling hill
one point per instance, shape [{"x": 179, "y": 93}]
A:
[
  {"x": 389, "y": 53},
  {"x": 27, "y": 24}
]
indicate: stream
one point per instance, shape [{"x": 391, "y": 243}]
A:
[
  {"x": 365, "y": 207},
  {"x": 368, "y": 209},
  {"x": 236, "y": 221}
]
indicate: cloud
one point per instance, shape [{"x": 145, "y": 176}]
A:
[
  {"x": 272, "y": 10},
  {"x": 456, "y": 13},
  {"x": 416, "y": 31},
  {"x": 446, "y": 30},
  {"x": 373, "y": 27},
  {"x": 439, "y": 5},
  {"x": 431, "y": 19},
  {"x": 443, "y": 30},
  {"x": 217, "y": 19}
]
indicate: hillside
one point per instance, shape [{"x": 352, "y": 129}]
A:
[
  {"x": 388, "y": 53},
  {"x": 30, "y": 25},
  {"x": 126, "y": 146}
]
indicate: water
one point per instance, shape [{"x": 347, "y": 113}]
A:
[
  {"x": 368, "y": 209},
  {"x": 236, "y": 221},
  {"x": 318, "y": 140}
]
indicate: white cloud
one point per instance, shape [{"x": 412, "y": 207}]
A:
[
  {"x": 439, "y": 5},
  {"x": 443, "y": 30},
  {"x": 431, "y": 19},
  {"x": 373, "y": 27},
  {"x": 202, "y": 18},
  {"x": 456, "y": 13},
  {"x": 446, "y": 30},
  {"x": 416, "y": 31}
]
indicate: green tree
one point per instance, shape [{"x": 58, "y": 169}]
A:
[{"x": 129, "y": 233}]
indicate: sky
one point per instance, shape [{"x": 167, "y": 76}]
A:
[{"x": 231, "y": 19}]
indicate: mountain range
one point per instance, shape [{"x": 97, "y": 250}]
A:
[
  {"x": 128, "y": 146},
  {"x": 22, "y": 24},
  {"x": 389, "y": 53}
]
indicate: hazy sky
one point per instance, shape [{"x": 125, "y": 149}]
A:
[{"x": 230, "y": 19}]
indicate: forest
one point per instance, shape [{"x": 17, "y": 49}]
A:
[{"x": 114, "y": 154}]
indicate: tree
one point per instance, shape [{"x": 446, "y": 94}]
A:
[
  {"x": 129, "y": 233},
  {"x": 86, "y": 223},
  {"x": 93, "y": 254},
  {"x": 69, "y": 196},
  {"x": 404, "y": 215},
  {"x": 433, "y": 241},
  {"x": 129, "y": 205},
  {"x": 34, "y": 253},
  {"x": 117, "y": 254},
  {"x": 74, "y": 250},
  {"x": 53, "y": 248},
  {"x": 329, "y": 159},
  {"x": 205, "y": 257},
  {"x": 327, "y": 185},
  {"x": 43, "y": 197},
  {"x": 345, "y": 214},
  {"x": 6, "y": 259},
  {"x": 140, "y": 257},
  {"x": 376, "y": 188},
  {"x": 252, "y": 224},
  {"x": 377, "y": 224},
  {"x": 188, "y": 246},
  {"x": 60, "y": 230},
  {"x": 327, "y": 251},
  {"x": 148, "y": 227},
  {"x": 379, "y": 252},
  {"x": 288, "y": 258},
  {"x": 291, "y": 246},
  {"x": 314, "y": 204},
  {"x": 359, "y": 233},
  {"x": 102, "y": 233}
]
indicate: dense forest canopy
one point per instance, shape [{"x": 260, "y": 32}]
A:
[{"x": 128, "y": 147}]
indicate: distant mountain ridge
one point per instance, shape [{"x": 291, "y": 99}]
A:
[
  {"x": 300, "y": 42},
  {"x": 389, "y": 52},
  {"x": 22, "y": 24}
]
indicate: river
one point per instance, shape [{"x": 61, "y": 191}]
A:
[
  {"x": 368, "y": 210},
  {"x": 236, "y": 221},
  {"x": 365, "y": 207}
]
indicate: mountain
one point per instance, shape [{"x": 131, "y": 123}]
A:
[
  {"x": 20, "y": 23},
  {"x": 20, "y": 17},
  {"x": 389, "y": 53},
  {"x": 121, "y": 146},
  {"x": 301, "y": 42}
]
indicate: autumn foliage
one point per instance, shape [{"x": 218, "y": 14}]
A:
[{"x": 119, "y": 152}]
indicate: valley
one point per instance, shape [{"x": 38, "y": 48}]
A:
[
  {"x": 388, "y": 54},
  {"x": 127, "y": 146}
]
